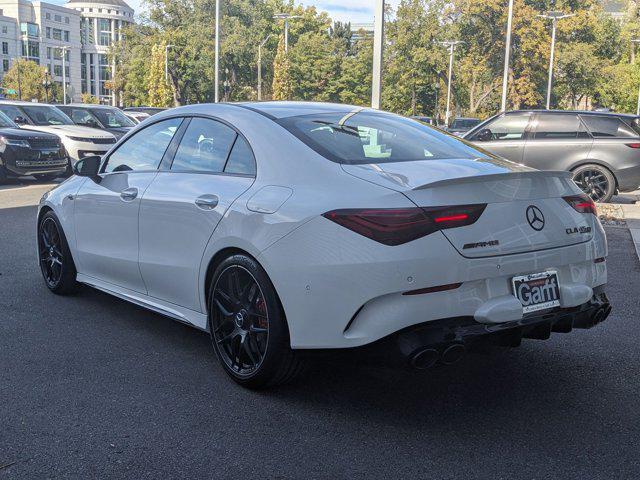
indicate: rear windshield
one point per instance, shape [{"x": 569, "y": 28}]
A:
[{"x": 375, "y": 137}]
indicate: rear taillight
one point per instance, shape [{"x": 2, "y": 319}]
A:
[
  {"x": 395, "y": 226},
  {"x": 633, "y": 145},
  {"x": 582, "y": 204}
]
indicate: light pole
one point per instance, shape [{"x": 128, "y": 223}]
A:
[
  {"x": 554, "y": 16},
  {"x": 286, "y": 17},
  {"x": 46, "y": 83},
  {"x": 507, "y": 54},
  {"x": 217, "y": 53},
  {"x": 262, "y": 44},
  {"x": 166, "y": 62},
  {"x": 378, "y": 50},
  {"x": 64, "y": 74},
  {"x": 451, "y": 44}
]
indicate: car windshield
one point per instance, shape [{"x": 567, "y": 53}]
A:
[
  {"x": 5, "y": 122},
  {"x": 374, "y": 137},
  {"x": 112, "y": 117},
  {"x": 46, "y": 115}
]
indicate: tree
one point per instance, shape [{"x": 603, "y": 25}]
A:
[
  {"x": 282, "y": 83},
  {"x": 577, "y": 73},
  {"x": 159, "y": 90},
  {"x": 88, "y": 98},
  {"x": 26, "y": 77}
]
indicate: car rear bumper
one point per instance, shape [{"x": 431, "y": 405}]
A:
[
  {"x": 446, "y": 340},
  {"x": 628, "y": 178}
]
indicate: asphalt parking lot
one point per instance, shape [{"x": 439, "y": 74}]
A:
[{"x": 93, "y": 387}]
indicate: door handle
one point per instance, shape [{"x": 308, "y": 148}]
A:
[
  {"x": 129, "y": 194},
  {"x": 207, "y": 202}
]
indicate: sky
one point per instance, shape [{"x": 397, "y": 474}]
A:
[{"x": 355, "y": 11}]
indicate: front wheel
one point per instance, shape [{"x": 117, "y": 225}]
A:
[
  {"x": 596, "y": 181},
  {"x": 247, "y": 324},
  {"x": 56, "y": 264}
]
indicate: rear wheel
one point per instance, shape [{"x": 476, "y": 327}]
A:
[
  {"x": 596, "y": 181},
  {"x": 56, "y": 264},
  {"x": 247, "y": 324}
]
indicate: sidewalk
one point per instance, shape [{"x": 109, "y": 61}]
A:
[{"x": 622, "y": 215}]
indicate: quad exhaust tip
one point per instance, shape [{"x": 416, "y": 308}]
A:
[{"x": 427, "y": 357}]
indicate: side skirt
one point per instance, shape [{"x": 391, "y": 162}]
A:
[{"x": 182, "y": 314}]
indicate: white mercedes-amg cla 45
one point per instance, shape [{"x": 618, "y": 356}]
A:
[{"x": 284, "y": 227}]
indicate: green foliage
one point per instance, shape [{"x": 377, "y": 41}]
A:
[
  {"x": 27, "y": 77},
  {"x": 595, "y": 61},
  {"x": 88, "y": 98}
]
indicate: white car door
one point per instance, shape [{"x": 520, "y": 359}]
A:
[
  {"x": 212, "y": 166},
  {"x": 107, "y": 208}
]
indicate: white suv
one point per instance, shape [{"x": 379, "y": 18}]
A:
[{"x": 78, "y": 141}]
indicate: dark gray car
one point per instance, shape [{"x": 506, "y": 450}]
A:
[
  {"x": 601, "y": 149},
  {"x": 103, "y": 117}
]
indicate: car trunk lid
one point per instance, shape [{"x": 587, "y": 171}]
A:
[{"x": 525, "y": 209}]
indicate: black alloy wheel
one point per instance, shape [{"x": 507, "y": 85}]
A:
[
  {"x": 241, "y": 324},
  {"x": 56, "y": 264},
  {"x": 596, "y": 181},
  {"x": 248, "y": 328}
]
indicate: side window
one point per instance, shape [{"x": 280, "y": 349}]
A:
[
  {"x": 11, "y": 111},
  {"x": 558, "y": 127},
  {"x": 79, "y": 116},
  {"x": 505, "y": 128},
  {"x": 241, "y": 159},
  {"x": 145, "y": 149},
  {"x": 608, "y": 126},
  {"x": 204, "y": 146}
]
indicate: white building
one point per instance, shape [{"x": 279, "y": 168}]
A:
[{"x": 41, "y": 31}]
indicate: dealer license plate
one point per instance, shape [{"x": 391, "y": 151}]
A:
[{"x": 537, "y": 291}]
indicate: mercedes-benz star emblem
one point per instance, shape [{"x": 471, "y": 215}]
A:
[{"x": 535, "y": 217}]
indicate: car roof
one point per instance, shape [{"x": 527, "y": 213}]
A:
[
  {"x": 88, "y": 105},
  {"x": 581, "y": 112},
  {"x": 284, "y": 109},
  {"x": 25, "y": 103}
]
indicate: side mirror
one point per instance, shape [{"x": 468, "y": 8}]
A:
[
  {"x": 20, "y": 120},
  {"x": 484, "y": 135},
  {"x": 88, "y": 166}
]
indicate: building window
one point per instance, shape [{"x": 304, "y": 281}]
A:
[
  {"x": 48, "y": 30},
  {"x": 104, "y": 29},
  {"x": 31, "y": 50},
  {"x": 66, "y": 35},
  {"x": 57, "y": 54},
  {"x": 4, "y": 29},
  {"x": 57, "y": 34},
  {"x": 105, "y": 74},
  {"x": 57, "y": 70},
  {"x": 83, "y": 72},
  {"x": 66, "y": 20},
  {"x": 49, "y": 53},
  {"x": 47, "y": 16},
  {"x": 5, "y": 48},
  {"x": 57, "y": 18},
  {"x": 29, "y": 29},
  {"x": 5, "y": 64}
]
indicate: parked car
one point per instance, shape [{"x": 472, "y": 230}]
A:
[
  {"x": 148, "y": 110},
  {"x": 462, "y": 125},
  {"x": 280, "y": 227},
  {"x": 78, "y": 141},
  {"x": 602, "y": 150},
  {"x": 137, "y": 117},
  {"x": 23, "y": 152},
  {"x": 103, "y": 117}
]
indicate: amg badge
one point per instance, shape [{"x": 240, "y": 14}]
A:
[
  {"x": 490, "y": 243},
  {"x": 583, "y": 229}
]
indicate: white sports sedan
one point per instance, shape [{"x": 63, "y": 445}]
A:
[{"x": 284, "y": 227}]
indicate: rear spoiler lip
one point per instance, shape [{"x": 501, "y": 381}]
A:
[{"x": 495, "y": 177}]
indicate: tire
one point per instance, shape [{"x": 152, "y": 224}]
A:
[
  {"x": 248, "y": 327},
  {"x": 56, "y": 264},
  {"x": 596, "y": 181}
]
